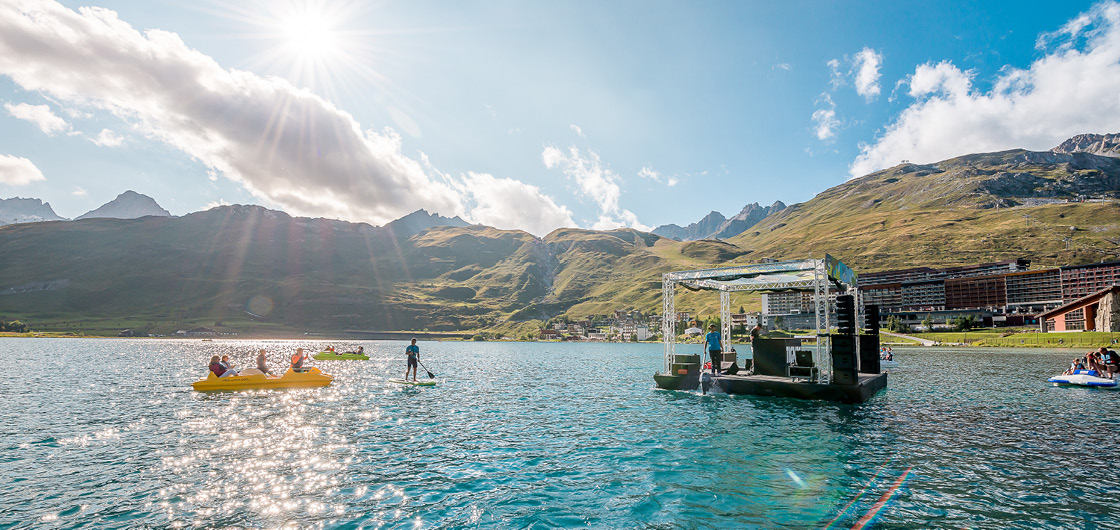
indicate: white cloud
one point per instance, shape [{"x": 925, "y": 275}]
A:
[
  {"x": 40, "y": 115},
  {"x": 79, "y": 192},
  {"x": 656, "y": 176},
  {"x": 18, "y": 171},
  {"x": 835, "y": 77},
  {"x": 281, "y": 143},
  {"x": 824, "y": 119},
  {"x": 942, "y": 78},
  {"x": 1073, "y": 88},
  {"x": 107, "y": 138},
  {"x": 866, "y": 65},
  {"x": 502, "y": 203},
  {"x": 578, "y": 130},
  {"x": 211, "y": 175},
  {"x": 214, "y": 204},
  {"x": 782, "y": 66},
  {"x": 595, "y": 182}
]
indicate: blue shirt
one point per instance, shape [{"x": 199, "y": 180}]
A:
[
  {"x": 712, "y": 339},
  {"x": 412, "y": 350}
]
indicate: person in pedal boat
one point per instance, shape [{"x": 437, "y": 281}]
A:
[
  {"x": 228, "y": 365},
  {"x": 413, "y": 353},
  {"x": 1093, "y": 361},
  {"x": 297, "y": 360},
  {"x": 218, "y": 369},
  {"x": 262, "y": 363},
  {"x": 1110, "y": 361}
]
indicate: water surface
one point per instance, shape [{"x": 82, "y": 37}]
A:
[{"x": 106, "y": 433}]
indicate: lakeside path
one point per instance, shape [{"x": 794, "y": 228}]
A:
[{"x": 924, "y": 342}]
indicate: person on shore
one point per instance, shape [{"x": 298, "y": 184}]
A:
[
  {"x": 262, "y": 363},
  {"x": 298, "y": 359},
  {"x": 413, "y": 353},
  {"x": 756, "y": 331},
  {"x": 714, "y": 342},
  {"x": 218, "y": 369}
]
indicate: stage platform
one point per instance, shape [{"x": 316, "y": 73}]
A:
[{"x": 772, "y": 385}]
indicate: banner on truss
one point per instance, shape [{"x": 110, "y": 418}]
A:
[{"x": 838, "y": 271}]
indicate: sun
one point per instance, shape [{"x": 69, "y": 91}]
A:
[
  {"x": 311, "y": 35},
  {"x": 320, "y": 45}
]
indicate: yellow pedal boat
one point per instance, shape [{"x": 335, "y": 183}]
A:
[{"x": 253, "y": 378}]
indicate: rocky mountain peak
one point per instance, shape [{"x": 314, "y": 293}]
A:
[
  {"x": 128, "y": 205},
  {"x": 1097, "y": 144},
  {"x": 421, "y": 220},
  {"x": 17, "y": 210}
]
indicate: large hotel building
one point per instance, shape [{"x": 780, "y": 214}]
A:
[{"x": 1004, "y": 292}]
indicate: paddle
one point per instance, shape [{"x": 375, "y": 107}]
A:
[{"x": 430, "y": 374}]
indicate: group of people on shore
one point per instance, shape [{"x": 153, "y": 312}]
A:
[{"x": 1105, "y": 361}]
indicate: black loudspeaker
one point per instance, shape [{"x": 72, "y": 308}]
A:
[
  {"x": 846, "y": 314},
  {"x": 844, "y": 360},
  {"x": 732, "y": 370},
  {"x": 869, "y": 354},
  {"x": 871, "y": 319}
]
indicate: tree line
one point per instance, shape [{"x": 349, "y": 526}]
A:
[{"x": 14, "y": 326}]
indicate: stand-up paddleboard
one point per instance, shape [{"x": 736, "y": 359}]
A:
[{"x": 414, "y": 383}]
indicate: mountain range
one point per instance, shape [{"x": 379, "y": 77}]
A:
[
  {"x": 254, "y": 269},
  {"x": 716, "y": 226}
]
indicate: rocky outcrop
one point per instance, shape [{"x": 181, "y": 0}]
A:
[
  {"x": 17, "y": 210},
  {"x": 716, "y": 226},
  {"x": 421, "y": 220},
  {"x": 1108, "y": 313},
  {"x": 707, "y": 226},
  {"x": 749, "y": 216},
  {"x": 1097, "y": 144}
]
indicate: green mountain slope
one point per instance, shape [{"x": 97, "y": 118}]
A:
[
  {"x": 970, "y": 209},
  {"x": 253, "y": 269}
]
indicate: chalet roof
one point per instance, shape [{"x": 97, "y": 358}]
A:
[{"x": 1079, "y": 303}]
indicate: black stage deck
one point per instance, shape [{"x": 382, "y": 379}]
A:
[{"x": 771, "y": 385}]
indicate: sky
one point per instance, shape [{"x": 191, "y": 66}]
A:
[{"x": 529, "y": 115}]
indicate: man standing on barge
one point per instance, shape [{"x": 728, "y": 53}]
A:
[{"x": 715, "y": 348}]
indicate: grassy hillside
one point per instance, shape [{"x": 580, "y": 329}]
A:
[
  {"x": 259, "y": 271},
  {"x": 965, "y": 210}
]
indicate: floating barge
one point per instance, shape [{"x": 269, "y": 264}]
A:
[{"x": 839, "y": 366}]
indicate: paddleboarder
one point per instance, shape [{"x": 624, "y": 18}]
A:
[{"x": 413, "y": 353}]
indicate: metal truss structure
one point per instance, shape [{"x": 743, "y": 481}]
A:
[{"x": 814, "y": 275}]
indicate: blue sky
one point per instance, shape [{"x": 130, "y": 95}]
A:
[{"x": 529, "y": 115}]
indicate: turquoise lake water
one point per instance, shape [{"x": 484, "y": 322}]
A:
[{"x": 106, "y": 433}]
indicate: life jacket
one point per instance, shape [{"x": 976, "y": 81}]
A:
[{"x": 296, "y": 358}]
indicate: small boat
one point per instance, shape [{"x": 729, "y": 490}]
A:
[
  {"x": 340, "y": 356},
  {"x": 252, "y": 378},
  {"x": 883, "y": 363},
  {"x": 1083, "y": 378}
]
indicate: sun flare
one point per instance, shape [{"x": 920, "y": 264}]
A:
[{"x": 310, "y": 35}]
